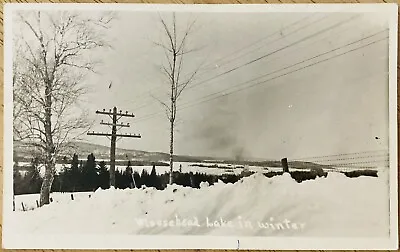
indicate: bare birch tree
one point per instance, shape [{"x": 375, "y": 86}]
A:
[
  {"x": 51, "y": 60},
  {"x": 175, "y": 51}
]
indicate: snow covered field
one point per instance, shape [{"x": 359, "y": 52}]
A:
[{"x": 335, "y": 206}]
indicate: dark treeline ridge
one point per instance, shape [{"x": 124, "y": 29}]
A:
[{"x": 89, "y": 175}]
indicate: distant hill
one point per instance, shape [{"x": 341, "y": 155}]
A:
[{"x": 24, "y": 153}]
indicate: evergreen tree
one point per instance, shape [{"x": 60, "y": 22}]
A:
[
  {"x": 89, "y": 174},
  {"x": 75, "y": 164},
  {"x": 80, "y": 183},
  {"x": 138, "y": 180},
  {"x": 144, "y": 177},
  {"x": 119, "y": 180},
  {"x": 103, "y": 180},
  {"x": 154, "y": 180},
  {"x": 72, "y": 176}
]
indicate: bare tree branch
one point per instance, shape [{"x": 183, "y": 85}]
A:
[
  {"x": 175, "y": 51},
  {"x": 164, "y": 47},
  {"x": 165, "y": 105},
  {"x": 48, "y": 74}
]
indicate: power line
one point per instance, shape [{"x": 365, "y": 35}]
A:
[
  {"x": 361, "y": 162},
  {"x": 352, "y": 79},
  {"x": 340, "y": 155},
  {"x": 314, "y": 57},
  {"x": 262, "y": 82},
  {"x": 145, "y": 105},
  {"x": 268, "y": 36},
  {"x": 235, "y": 91},
  {"x": 349, "y": 158},
  {"x": 269, "y": 54},
  {"x": 299, "y": 69},
  {"x": 241, "y": 49},
  {"x": 276, "y": 51}
]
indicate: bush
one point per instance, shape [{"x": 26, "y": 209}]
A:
[
  {"x": 230, "y": 178},
  {"x": 301, "y": 176},
  {"x": 358, "y": 173},
  {"x": 319, "y": 171},
  {"x": 272, "y": 174}
]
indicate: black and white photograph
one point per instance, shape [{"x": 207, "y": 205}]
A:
[{"x": 150, "y": 126}]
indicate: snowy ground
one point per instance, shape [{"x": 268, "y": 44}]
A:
[
  {"x": 335, "y": 206},
  {"x": 29, "y": 200}
]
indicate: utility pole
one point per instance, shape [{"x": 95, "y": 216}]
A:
[{"x": 115, "y": 117}]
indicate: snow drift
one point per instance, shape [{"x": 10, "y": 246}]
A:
[{"x": 335, "y": 206}]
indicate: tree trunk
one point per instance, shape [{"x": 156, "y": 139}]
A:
[
  {"x": 47, "y": 182},
  {"x": 171, "y": 152},
  {"x": 50, "y": 149}
]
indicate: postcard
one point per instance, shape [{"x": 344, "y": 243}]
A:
[{"x": 158, "y": 126}]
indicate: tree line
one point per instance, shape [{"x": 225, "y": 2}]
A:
[{"x": 89, "y": 175}]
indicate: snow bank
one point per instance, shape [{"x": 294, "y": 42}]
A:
[
  {"x": 335, "y": 206},
  {"x": 29, "y": 200}
]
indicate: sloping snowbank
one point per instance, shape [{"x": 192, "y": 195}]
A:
[
  {"x": 335, "y": 206},
  {"x": 29, "y": 200}
]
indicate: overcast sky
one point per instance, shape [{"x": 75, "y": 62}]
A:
[{"x": 336, "y": 106}]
